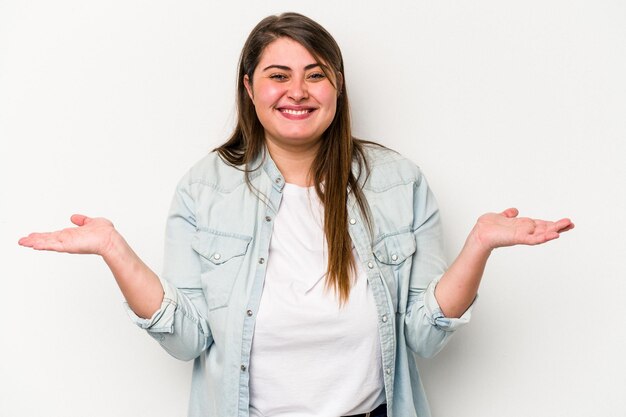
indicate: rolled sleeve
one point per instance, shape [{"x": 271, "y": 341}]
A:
[
  {"x": 162, "y": 321},
  {"x": 180, "y": 325},
  {"x": 435, "y": 315},
  {"x": 427, "y": 329},
  {"x": 177, "y": 325}
]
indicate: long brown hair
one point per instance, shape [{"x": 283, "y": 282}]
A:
[{"x": 338, "y": 149}]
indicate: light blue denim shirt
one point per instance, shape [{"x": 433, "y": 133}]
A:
[{"x": 217, "y": 241}]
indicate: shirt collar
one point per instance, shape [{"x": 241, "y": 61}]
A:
[{"x": 264, "y": 161}]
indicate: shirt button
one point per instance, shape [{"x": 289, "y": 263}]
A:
[
  {"x": 278, "y": 180},
  {"x": 387, "y": 370},
  {"x": 394, "y": 257},
  {"x": 249, "y": 313},
  {"x": 261, "y": 260},
  {"x": 384, "y": 318},
  {"x": 216, "y": 256},
  {"x": 370, "y": 265},
  {"x": 353, "y": 221},
  {"x": 243, "y": 368},
  {"x": 268, "y": 219}
]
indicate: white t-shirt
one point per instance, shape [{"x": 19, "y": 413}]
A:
[{"x": 309, "y": 356}]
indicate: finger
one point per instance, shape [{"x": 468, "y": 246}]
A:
[
  {"x": 79, "y": 219},
  {"x": 39, "y": 241},
  {"x": 564, "y": 225},
  {"x": 24, "y": 241},
  {"x": 30, "y": 239},
  {"x": 54, "y": 241},
  {"x": 540, "y": 238},
  {"x": 510, "y": 212},
  {"x": 548, "y": 237},
  {"x": 48, "y": 244},
  {"x": 559, "y": 226}
]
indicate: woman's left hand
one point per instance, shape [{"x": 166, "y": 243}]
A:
[
  {"x": 494, "y": 230},
  {"x": 457, "y": 288}
]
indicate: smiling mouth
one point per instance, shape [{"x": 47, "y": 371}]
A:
[{"x": 296, "y": 112}]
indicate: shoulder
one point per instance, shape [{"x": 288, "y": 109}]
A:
[
  {"x": 388, "y": 168},
  {"x": 213, "y": 172}
]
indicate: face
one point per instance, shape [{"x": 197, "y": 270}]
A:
[{"x": 293, "y": 98}]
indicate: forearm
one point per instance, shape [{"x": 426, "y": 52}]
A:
[
  {"x": 459, "y": 285},
  {"x": 139, "y": 285}
]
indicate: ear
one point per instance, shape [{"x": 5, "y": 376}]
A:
[
  {"x": 248, "y": 85},
  {"x": 339, "y": 83}
]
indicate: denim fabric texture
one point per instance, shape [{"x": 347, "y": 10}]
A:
[{"x": 217, "y": 239}]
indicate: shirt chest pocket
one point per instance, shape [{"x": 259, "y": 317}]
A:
[
  {"x": 221, "y": 258},
  {"x": 393, "y": 254}
]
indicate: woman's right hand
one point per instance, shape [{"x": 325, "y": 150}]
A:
[
  {"x": 140, "y": 286},
  {"x": 92, "y": 236}
]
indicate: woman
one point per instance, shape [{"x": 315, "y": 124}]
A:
[{"x": 303, "y": 267}]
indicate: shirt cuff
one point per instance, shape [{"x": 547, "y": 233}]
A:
[
  {"x": 162, "y": 321},
  {"x": 435, "y": 315}
]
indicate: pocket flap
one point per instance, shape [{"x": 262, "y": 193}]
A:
[
  {"x": 395, "y": 249},
  {"x": 218, "y": 247}
]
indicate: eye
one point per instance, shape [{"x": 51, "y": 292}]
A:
[
  {"x": 316, "y": 76},
  {"x": 278, "y": 77}
]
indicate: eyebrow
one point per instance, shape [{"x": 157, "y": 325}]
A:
[{"x": 286, "y": 68}]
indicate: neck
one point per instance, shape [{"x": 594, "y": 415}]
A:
[{"x": 294, "y": 164}]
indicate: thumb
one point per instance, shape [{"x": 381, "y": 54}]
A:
[
  {"x": 79, "y": 219},
  {"x": 510, "y": 212}
]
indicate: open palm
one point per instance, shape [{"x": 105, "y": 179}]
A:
[
  {"x": 506, "y": 229},
  {"x": 92, "y": 236}
]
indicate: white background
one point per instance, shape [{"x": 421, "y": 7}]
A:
[{"x": 104, "y": 105}]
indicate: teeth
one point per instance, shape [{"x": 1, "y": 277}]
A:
[{"x": 296, "y": 112}]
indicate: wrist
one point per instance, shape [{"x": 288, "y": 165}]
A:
[
  {"x": 114, "y": 246},
  {"x": 476, "y": 242}
]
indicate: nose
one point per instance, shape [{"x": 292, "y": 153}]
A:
[{"x": 298, "y": 89}]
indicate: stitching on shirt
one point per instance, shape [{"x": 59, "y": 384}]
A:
[
  {"x": 245, "y": 238},
  {"x": 401, "y": 231},
  {"x": 387, "y": 187},
  {"x": 415, "y": 175},
  {"x": 215, "y": 186},
  {"x": 187, "y": 314}
]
